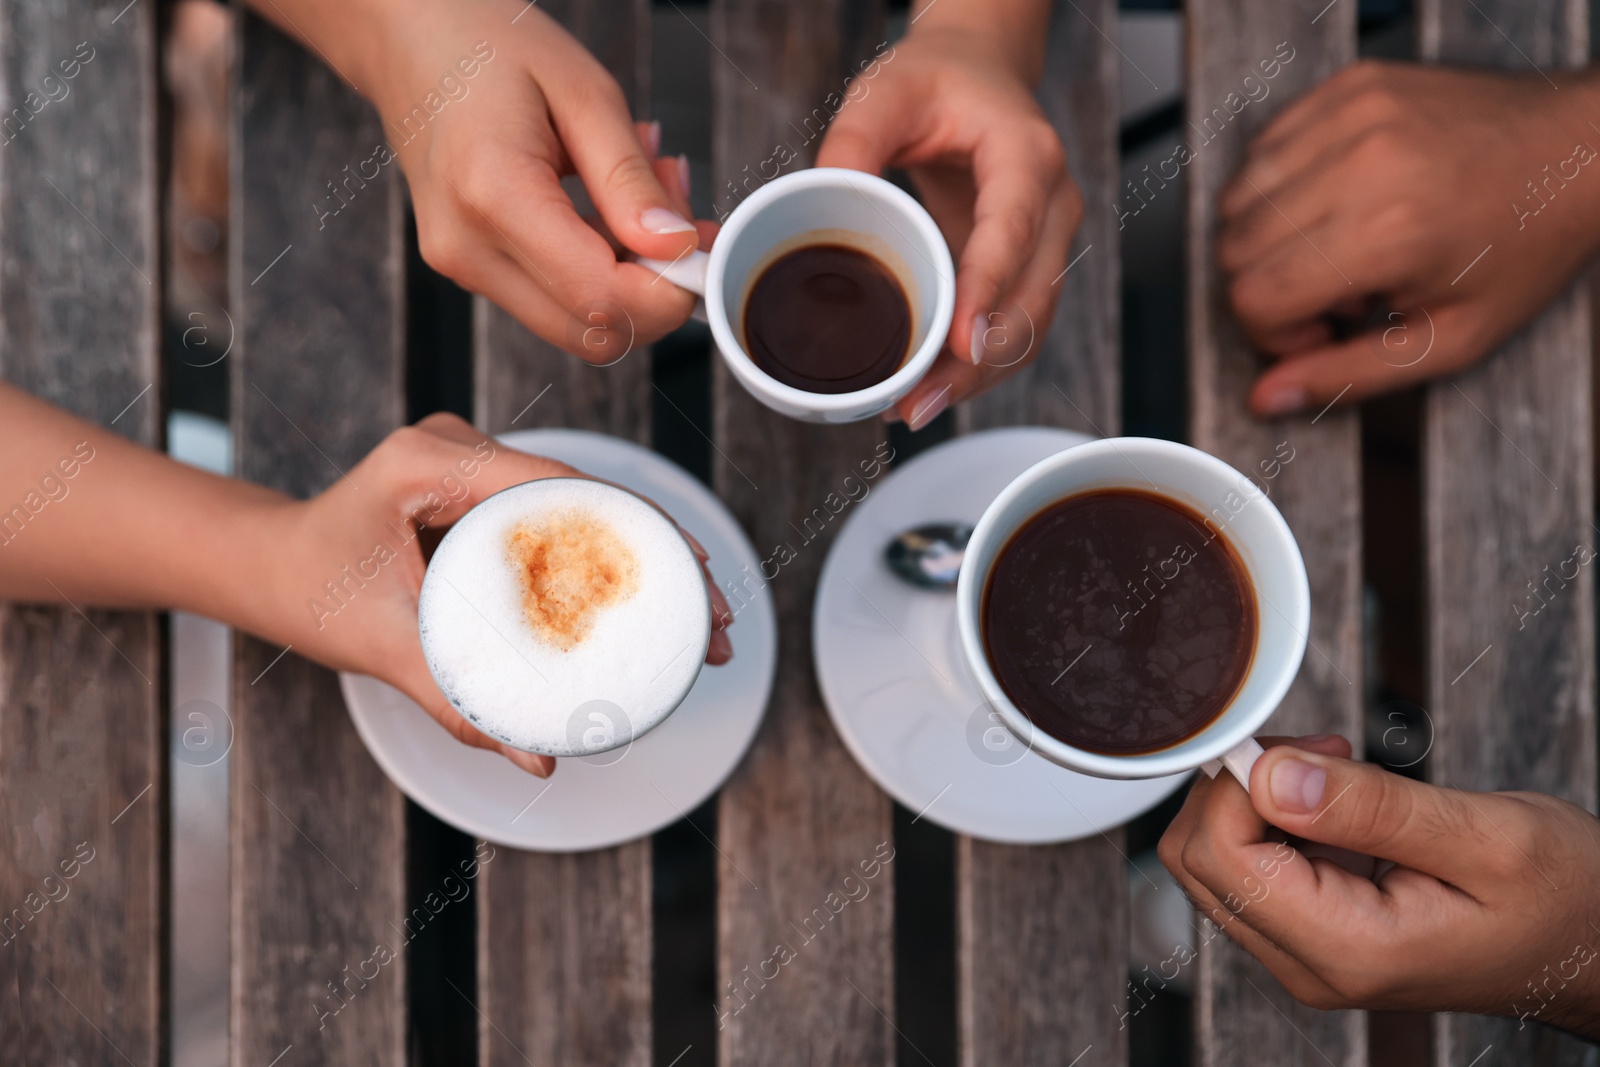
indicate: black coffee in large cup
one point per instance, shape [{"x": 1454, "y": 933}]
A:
[{"x": 1119, "y": 621}]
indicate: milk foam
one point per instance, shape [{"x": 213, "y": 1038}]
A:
[{"x": 629, "y": 661}]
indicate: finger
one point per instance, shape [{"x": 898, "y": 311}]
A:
[
  {"x": 1314, "y": 110},
  {"x": 1009, "y": 338},
  {"x": 1293, "y": 974},
  {"x": 1016, "y": 182},
  {"x": 1270, "y": 169},
  {"x": 1307, "y": 274},
  {"x": 1370, "y": 810},
  {"x": 591, "y": 117},
  {"x": 1428, "y": 345},
  {"x": 867, "y": 136},
  {"x": 419, "y": 685},
  {"x": 720, "y": 650},
  {"x": 1301, "y": 207},
  {"x": 1301, "y": 905},
  {"x": 516, "y": 199}
]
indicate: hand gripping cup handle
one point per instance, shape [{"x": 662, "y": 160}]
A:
[
  {"x": 686, "y": 272},
  {"x": 1239, "y": 760}
]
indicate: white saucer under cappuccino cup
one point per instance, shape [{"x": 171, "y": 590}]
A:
[{"x": 1232, "y": 503}]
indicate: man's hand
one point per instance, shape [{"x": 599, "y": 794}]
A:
[
  {"x": 1483, "y": 902},
  {"x": 1433, "y": 211}
]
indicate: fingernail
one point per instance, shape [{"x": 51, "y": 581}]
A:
[
  {"x": 660, "y": 220},
  {"x": 683, "y": 175},
  {"x": 1314, "y": 738},
  {"x": 653, "y": 137},
  {"x": 891, "y": 416},
  {"x": 980, "y": 326},
  {"x": 1297, "y": 785},
  {"x": 929, "y": 409},
  {"x": 694, "y": 543},
  {"x": 1284, "y": 400}
]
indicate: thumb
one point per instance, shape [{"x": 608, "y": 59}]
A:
[
  {"x": 1416, "y": 345},
  {"x": 1369, "y": 810}
]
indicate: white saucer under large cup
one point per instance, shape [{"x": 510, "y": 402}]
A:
[
  {"x": 891, "y": 669},
  {"x": 594, "y": 801}
]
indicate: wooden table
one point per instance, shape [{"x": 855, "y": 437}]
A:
[{"x": 564, "y": 943}]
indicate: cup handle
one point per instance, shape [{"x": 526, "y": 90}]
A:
[
  {"x": 686, "y": 272},
  {"x": 1239, "y": 760}
]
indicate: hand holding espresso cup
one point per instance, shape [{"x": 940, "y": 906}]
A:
[
  {"x": 1396, "y": 895},
  {"x": 488, "y": 105},
  {"x": 953, "y": 105}
]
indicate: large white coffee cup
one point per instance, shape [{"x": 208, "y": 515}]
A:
[
  {"x": 833, "y": 206},
  {"x": 1234, "y": 505}
]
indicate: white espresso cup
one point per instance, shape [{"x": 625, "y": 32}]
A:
[
  {"x": 825, "y": 205},
  {"x": 1235, "y": 507}
]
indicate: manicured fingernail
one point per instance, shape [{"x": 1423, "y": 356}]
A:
[
  {"x": 721, "y": 646},
  {"x": 1297, "y": 785},
  {"x": 980, "y": 326},
  {"x": 928, "y": 408},
  {"x": 1284, "y": 400},
  {"x": 683, "y": 175},
  {"x": 532, "y": 762},
  {"x": 660, "y": 220},
  {"x": 653, "y": 137}
]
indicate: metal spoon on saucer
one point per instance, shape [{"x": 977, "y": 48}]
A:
[{"x": 929, "y": 556}]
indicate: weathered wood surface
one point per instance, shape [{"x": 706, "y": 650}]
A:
[
  {"x": 318, "y": 832},
  {"x": 82, "y": 729},
  {"x": 1036, "y": 984},
  {"x": 1311, "y": 469},
  {"x": 1509, "y": 476},
  {"x": 614, "y": 398},
  {"x": 564, "y": 940},
  {"x": 798, "y": 814}
]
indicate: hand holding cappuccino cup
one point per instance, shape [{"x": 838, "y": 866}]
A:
[
  {"x": 829, "y": 293},
  {"x": 566, "y": 616},
  {"x": 1134, "y": 608}
]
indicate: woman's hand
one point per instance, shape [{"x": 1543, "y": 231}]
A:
[
  {"x": 1483, "y": 902},
  {"x": 952, "y": 104},
  {"x": 1434, "y": 211},
  {"x": 347, "y": 566},
  {"x": 489, "y": 104}
]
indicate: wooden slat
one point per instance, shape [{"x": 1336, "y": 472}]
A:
[
  {"x": 514, "y": 366},
  {"x": 1037, "y": 984},
  {"x": 81, "y": 696},
  {"x": 1242, "y": 1013},
  {"x": 1508, "y": 476},
  {"x": 318, "y": 832},
  {"x": 564, "y": 941},
  {"x": 798, "y": 814}
]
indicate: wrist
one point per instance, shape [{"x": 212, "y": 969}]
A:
[
  {"x": 1013, "y": 34},
  {"x": 246, "y": 567}
]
